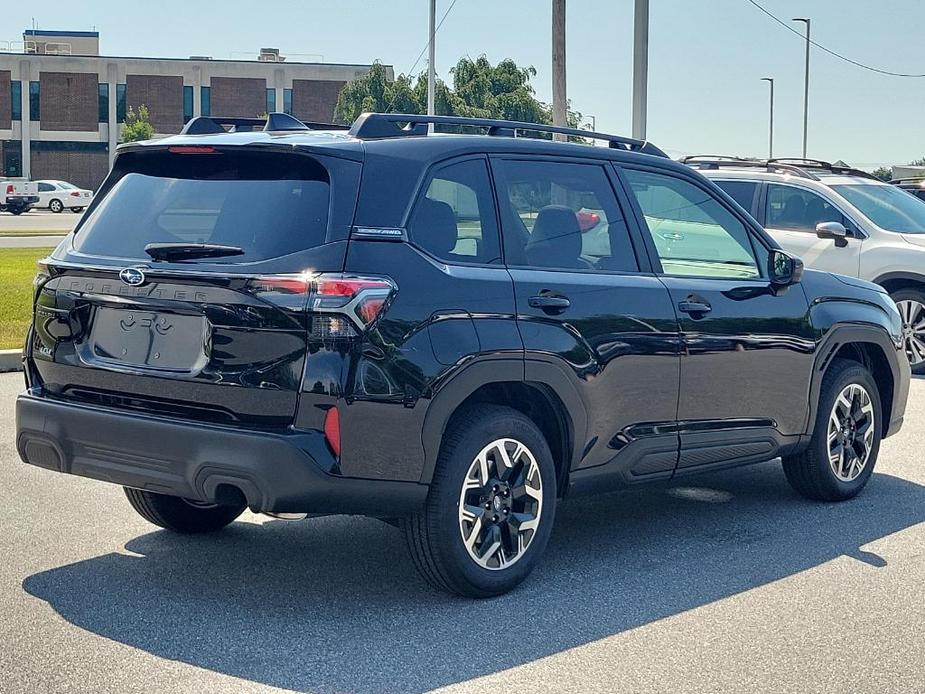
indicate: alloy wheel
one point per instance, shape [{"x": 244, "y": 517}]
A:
[
  {"x": 850, "y": 432},
  {"x": 913, "y": 315},
  {"x": 500, "y": 504}
]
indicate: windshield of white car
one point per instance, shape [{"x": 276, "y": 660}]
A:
[
  {"x": 67, "y": 186},
  {"x": 888, "y": 207}
]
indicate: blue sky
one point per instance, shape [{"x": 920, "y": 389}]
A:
[{"x": 706, "y": 58}]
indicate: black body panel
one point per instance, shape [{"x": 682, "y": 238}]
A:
[{"x": 639, "y": 390}]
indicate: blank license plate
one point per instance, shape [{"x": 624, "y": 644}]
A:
[{"x": 144, "y": 338}]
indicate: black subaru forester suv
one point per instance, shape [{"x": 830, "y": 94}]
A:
[{"x": 447, "y": 331}]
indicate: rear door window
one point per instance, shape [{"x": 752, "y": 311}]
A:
[
  {"x": 743, "y": 192},
  {"x": 562, "y": 215},
  {"x": 267, "y": 204}
]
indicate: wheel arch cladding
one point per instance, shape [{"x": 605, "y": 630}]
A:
[
  {"x": 868, "y": 345},
  {"x": 872, "y": 357},
  {"x": 895, "y": 281},
  {"x": 537, "y": 401}
]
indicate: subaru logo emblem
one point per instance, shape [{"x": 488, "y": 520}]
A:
[{"x": 132, "y": 276}]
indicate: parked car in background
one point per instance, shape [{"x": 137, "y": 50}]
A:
[
  {"x": 17, "y": 196},
  {"x": 915, "y": 186},
  {"x": 490, "y": 323},
  {"x": 61, "y": 195},
  {"x": 837, "y": 219}
]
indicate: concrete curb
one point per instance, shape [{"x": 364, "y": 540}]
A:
[{"x": 10, "y": 360}]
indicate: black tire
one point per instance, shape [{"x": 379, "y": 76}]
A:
[
  {"x": 919, "y": 297},
  {"x": 56, "y": 206},
  {"x": 77, "y": 210},
  {"x": 434, "y": 535},
  {"x": 180, "y": 515},
  {"x": 810, "y": 473},
  {"x": 17, "y": 211}
]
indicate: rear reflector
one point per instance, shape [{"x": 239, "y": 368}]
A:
[{"x": 332, "y": 430}]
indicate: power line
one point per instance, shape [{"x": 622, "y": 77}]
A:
[
  {"x": 424, "y": 50},
  {"x": 830, "y": 51},
  {"x": 429, "y": 39}
]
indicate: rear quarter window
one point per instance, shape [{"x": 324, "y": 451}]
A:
[{"x": 267, "y": 204}]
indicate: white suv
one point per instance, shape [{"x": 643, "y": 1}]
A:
[{"x": 840, "y": 220}]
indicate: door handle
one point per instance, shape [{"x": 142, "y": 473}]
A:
[
  {"x": 689, "y": 306},
  {"x": 549, "y": 303}
]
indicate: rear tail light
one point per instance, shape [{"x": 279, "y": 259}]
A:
[
  {"x": 341, "y": 305},
  {"x": 75, "y": 194},
  {"x": 9, "y": 189}
]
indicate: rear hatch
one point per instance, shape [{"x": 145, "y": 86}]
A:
[{"x": 182, "y": 292}]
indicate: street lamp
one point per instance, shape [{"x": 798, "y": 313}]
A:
[
  {"x": 806, "y": 21},
  {"x": 770, "y": 80}
]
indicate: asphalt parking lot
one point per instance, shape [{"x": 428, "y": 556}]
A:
[{"x": 729, "y": 583}]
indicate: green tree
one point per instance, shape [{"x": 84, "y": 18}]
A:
[
  {"x": 137, "y": 125},
  {"x": 479, "y": 90},
  {"x": 917, "y": 162},
  {"x": 884, "y": 173}
]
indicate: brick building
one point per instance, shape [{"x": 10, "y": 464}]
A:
[{"x": 62, "y": 104}]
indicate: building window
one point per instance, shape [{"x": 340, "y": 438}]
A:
[
  {"x": 287, "y": 101},
  {"x": 11, "y": 164},
  {"x": 120, "y": 103},
  {"x": 16, "y": 100},
  {"x": 187, "y": 104},
  {"x": 104, "y": 102},
  {"x": 271, "y": 100},
  {"x": 35, "y": 111},
  {"x": 205, "y": 95}
]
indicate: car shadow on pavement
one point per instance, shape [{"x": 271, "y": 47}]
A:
[{"x": 333, "y": 604}]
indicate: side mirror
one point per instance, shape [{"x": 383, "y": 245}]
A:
[
  {"x": 833, "y": 230},
  {"x": 784, "y": 269}
]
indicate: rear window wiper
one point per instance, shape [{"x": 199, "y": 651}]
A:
[{"x": 190, "y": 251}]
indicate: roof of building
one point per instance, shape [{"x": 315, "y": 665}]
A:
[{"x": 48, "y": 32}]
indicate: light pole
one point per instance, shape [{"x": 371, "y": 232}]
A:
[
  {"x": 431, "y": 52},
  {"x": 806, "y": 21},
  {"x": 770, "y": 80},
  {"x": 640, "y": 67},
  {"x": 559, "y": 94}
]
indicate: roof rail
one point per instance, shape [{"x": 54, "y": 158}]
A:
[
  {"x": 274, "y": 122},
  {"x": 818, "y": 164},
  {"x": 386, "y": 125},
  {"x": 713, "y": 162}
]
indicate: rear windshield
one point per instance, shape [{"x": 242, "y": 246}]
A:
[{"x": 267, "y": 204}]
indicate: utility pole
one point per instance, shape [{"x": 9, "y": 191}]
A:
[
  {"x": 640, "y": 67},
  {"x": 431, "y": 52},
  {"x": 805, "y": 84},
  {"x": 770, "y": 80},
  {"x": 559, "y": 94}
]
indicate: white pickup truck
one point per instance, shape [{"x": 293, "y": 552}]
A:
[{"x": 17, "y": 196}]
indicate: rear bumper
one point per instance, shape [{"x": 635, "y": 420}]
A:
[
  {"x": 21, "y": 200},
  {"x": 275, "y": 472}
]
